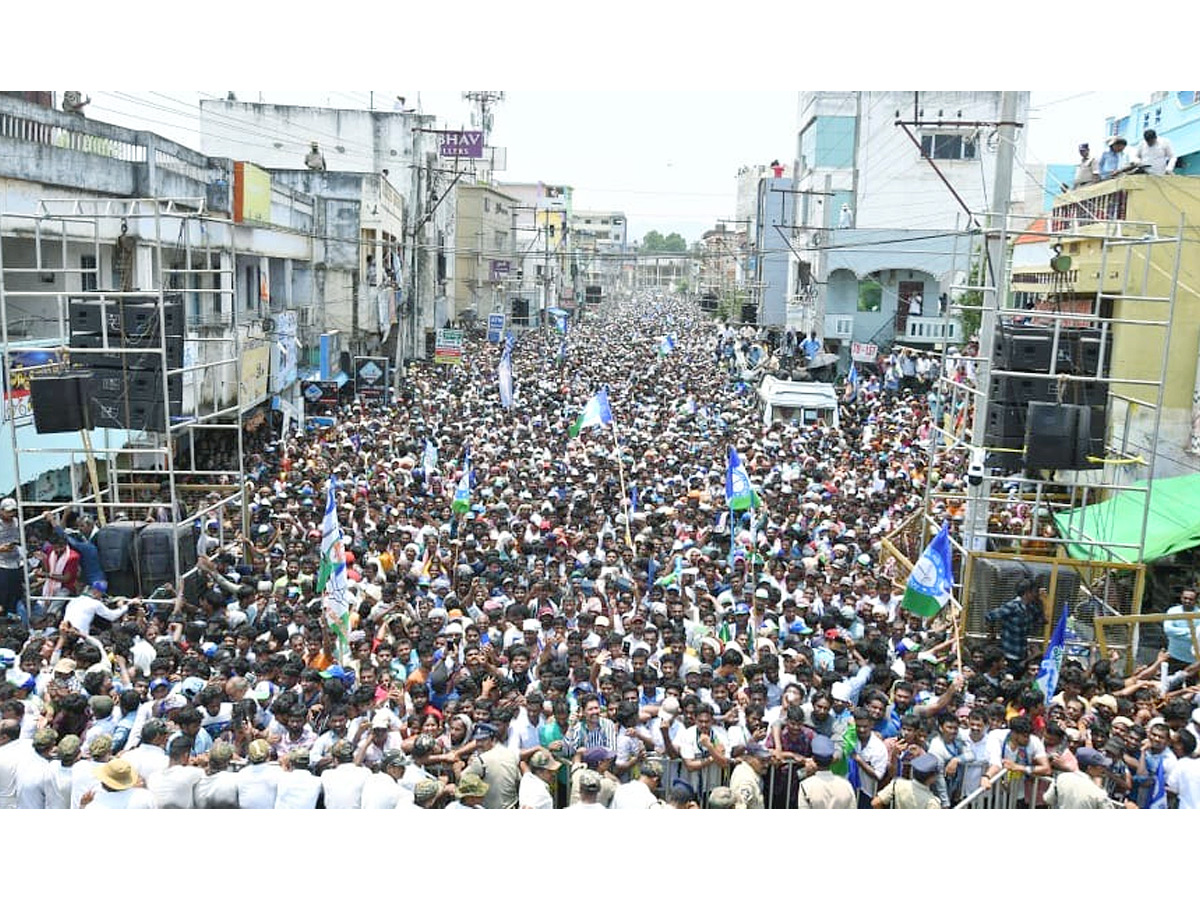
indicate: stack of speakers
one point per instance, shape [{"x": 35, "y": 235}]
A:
[
  {"x": 138, "y": 557},
  {"x": 121, "y": 389},
  {"x": 1060, "y": 425}
]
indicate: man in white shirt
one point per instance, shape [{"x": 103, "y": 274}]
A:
[
  {"x": 218, "y": 789},
  {"x": 1018, "y": 755},
  {"x": 298, "y": 787},
  {"x": 639, "y": 794},
  {"x": 33, "y": 770},
  {"x": 1155, "y": 153},
  {"x": 12, "y": 750},
  {"x": 83, "y": 773},
  {"x": 382, "y": 789},
  {"x": 82, "y": 610},
  {"x": 1184, "y": 780},
  {"x": 258, "y": 783},
  {"x": 118, "y": 788},
  {"x": 343, "y": 783},
  {"x": 870, "y": 755},
  {"x": 58, "y": 778},
  {"x": 534, "y": 789},
  {"x": 149, "y": 756},
  {"x": 704, "y": 748},
  {"x": 173, "y": 786}
]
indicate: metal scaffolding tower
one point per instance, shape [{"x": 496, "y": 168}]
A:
[
  {"x": 1132, "y": 253},
  {"x": 171, "y": 262}
]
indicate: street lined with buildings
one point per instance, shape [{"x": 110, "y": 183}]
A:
[{"x": 445, "y": 484}]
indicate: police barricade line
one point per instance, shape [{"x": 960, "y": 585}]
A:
[{"x": 1020, "y": 793}]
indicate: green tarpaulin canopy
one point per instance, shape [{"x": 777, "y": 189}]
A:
[{"x": 1173, "y": 524}]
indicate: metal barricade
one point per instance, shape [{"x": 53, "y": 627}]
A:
[
  {"x": 1019, "y": 793},
  {"x": 781, "y": 788}
]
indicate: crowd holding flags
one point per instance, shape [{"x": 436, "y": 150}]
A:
[
  {"x": 931, "y": 583},
  {"x": 506, "y": 374},
  {"x": 462, "y": 493},
  {"x": 596, "y": 412},
  {"x": 429, "y": 460},
  {"x": 1051, "y": 665},
  {"x": 331, "y": 577}
]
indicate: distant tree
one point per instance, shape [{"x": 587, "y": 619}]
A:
[
  {"x": 653, "y": 242},
  {"x": 674, "y": 243}
]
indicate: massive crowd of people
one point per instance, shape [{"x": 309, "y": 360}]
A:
[{"x": 595, "y": 629}]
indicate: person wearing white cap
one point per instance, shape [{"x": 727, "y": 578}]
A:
[
  {"x": 12, "y": 582},
  {"x": 384, "y": 735}
]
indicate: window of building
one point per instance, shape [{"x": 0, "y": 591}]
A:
[
  {"x": 947, "y": 146},
  {"x": 870, "y": 295},
  {"x": 251, "y": 286},
  {"x": 487, "y": 205},
  {"x": 500, "y": 240},
  {"x": 88, "y": 281}
]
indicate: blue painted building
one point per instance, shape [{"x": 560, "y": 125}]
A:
[{"x": 1175, "y": 115}]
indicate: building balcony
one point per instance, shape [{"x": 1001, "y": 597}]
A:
[
  {"x": 62, "y": 150},
  {"x": 931, "y": 330}
]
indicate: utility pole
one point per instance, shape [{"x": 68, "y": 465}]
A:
[
  {"x": 997, "y": 257},
  {"x": 484, "y": 101}
]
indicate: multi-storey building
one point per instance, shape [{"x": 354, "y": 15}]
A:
[{"x": 876, "y": 226}]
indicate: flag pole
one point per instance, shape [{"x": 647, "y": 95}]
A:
[{"x": 621, "y": 473}]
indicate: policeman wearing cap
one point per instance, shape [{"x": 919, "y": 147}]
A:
[
  {"x": 912, "y": 793},
  {"x": 1084, "y": 789},
  {"x": 824, "y": 789}
]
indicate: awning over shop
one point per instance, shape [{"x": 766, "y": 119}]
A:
[{"x": 1172, "y": 525}]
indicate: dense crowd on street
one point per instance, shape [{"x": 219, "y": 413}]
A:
[{"x": 593, "y": 627}]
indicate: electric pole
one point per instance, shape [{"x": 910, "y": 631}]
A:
[
  {"x": 483, "y": 102},
  {"x": 997, "y": 256}
]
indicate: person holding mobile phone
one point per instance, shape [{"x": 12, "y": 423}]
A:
[{"x": 12, "y": 582}]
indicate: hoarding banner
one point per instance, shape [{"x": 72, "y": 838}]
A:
[
  {"x": 448, "y": 347},
  {"x": 370, "y": 376},
  {"x": 495, "y": 327},
  {"x": 464, "y": 144},
  {"x": 863, "y": 352}
]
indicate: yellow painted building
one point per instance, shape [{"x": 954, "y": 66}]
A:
[
  {"x": 1125, "y": 260},
  {"x": 483, "y": 250}
]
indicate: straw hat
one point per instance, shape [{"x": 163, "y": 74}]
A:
[{"x": 117, "y": 774}]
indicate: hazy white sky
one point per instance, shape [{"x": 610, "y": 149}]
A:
[{"x": 668, "y": 159}]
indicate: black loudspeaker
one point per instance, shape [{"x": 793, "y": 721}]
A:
[
  {"x": 141, "y": 385},
  {"x": 1057, "y": 435},
  {"x": 1083, "y": 393},
  {"x": 1022, "y": 349},
  {"x": 60, "y": 402},
  {"x": 116, "y": 544},
  {"x": 1005, "y": 424},
  {"x": 156, "y": 556},
  {"x": 1015, "y": 390},
  {"x": 93, "y": 340},
  {"x": 125, "y": 412},
  {"x": 136, "y": 320}
]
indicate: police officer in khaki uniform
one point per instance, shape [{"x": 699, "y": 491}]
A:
[
  {"x": 823, "y": 789},
  {"x": 914, "y": 793},
  {"x": 1084, "y": 789}
]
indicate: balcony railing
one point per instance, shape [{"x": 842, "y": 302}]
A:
[{"x": 931, "y": 329}]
